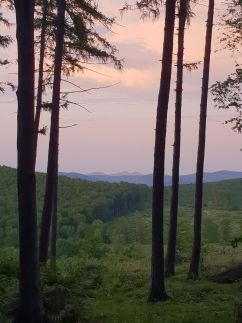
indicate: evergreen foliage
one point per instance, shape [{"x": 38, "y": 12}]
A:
[
  {"x": 84, "y": 44},
  {"x": 5, "y": 41}
]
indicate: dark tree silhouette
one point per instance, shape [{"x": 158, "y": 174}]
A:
[
  {"x": 171, "y": 247},
  {"x": 81, "y": 44},
  {"x": 157, "y": 291},
  {"x": 29, "y": 310},
  {"x": 54, "y": 226},
  {"x": 196, "y": 248},
  {"x": 44, "y": 11},
  {"x": 50, "y": 202}
]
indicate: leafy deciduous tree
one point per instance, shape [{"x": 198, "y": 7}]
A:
[{"x": 227, "y": 94}]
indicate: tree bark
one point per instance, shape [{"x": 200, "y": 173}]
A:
[
  {"x": 29, "y": 310},
  {"x": 41, "y": 74},
  {"x": 196, "y": 248},
  {"x": 157, "y": 290},
  {"x": 52, "y": 168},
  {"x": 54, "y": 227},
  {"x": 171, "y": 248}
]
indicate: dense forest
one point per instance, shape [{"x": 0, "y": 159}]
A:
[
  {"x": 82, "y": 202},
  {"x": 78, "y": 251}
]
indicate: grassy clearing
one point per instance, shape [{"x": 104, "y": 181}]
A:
[
  {"x": 114, "y": 289},
  {"x": 124, "y": 300}
]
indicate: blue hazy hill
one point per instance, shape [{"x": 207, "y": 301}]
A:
[{"x": 137, "y": 178}]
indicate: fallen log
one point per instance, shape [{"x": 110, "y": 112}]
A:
[{"x": 229, "y": 276}]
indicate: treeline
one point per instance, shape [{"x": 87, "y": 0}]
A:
[
  {"x": 82, "y": 202},
  {"x": 79, "y": 202},
  {"x": 224, "y": 195}
]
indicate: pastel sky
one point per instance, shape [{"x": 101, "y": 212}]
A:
[{"x": 117, "y": 134}]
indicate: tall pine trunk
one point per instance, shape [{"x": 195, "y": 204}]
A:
[
  {"x": 41, "y": 75},
  {"x": 29, "y": 297},
  {"x": 196, "y": 248},
  {"x": 50, "y": 199},
  {"x": 54, "y": 227},
  {"x": 157, "y": 291},
  {"x": 171, "y": 248}
]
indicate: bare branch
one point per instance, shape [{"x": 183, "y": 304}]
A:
[
  {"x": 74, "y": 103},
  {"x": 72, "y": 125},
  {"x": 90, "y": 89},
  {"x": 77, "y": 86}
]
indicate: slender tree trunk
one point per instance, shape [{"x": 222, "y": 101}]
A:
[
  {"x": 157, "y": 291},
  {"x": 52, "y": 168},
  {"x": 196, "y": 248},
  {"x": 54, "y": 227},
  {"x": 171, "y": 248},
  {"x": 41, "y": 74},
  {"x": 29, "y": 295}
]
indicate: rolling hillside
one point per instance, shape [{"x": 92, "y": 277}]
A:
[
  {"x": 104, "y": 237},
  {"x": 137, "y": 178}
]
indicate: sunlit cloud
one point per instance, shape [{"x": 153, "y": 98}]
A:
[{"x": 130, "y": 77}]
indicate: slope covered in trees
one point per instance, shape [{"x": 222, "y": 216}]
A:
[
  {"x": 79, "y": 201},
  {"x": 82, "y": 202},
  {"x": 103, "y": 258}
]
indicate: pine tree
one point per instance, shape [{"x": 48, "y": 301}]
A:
[
  {"x": 52, "y": 168},
  {"x": 44, "y": 4},
  {"x": 29, "y": 310},
  {"x": 157, "y": 291},
  {"x": 196, "y": 248},
  {"x": 171, "y": 248},
  {"x": 82, "y": 44}
]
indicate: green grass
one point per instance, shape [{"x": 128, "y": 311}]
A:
[
  {"x": 114, "y": 289},
  {"x": 189, "y": 302}
]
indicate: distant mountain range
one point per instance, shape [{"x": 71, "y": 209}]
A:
[{"x": 138, "y": 178}]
